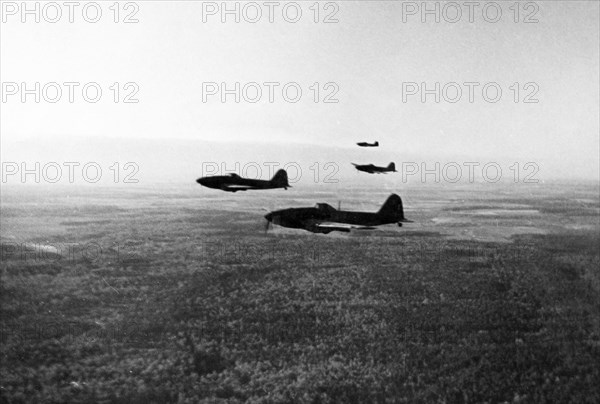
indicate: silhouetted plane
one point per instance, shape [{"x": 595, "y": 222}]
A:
[
  {"x": 373, "y": 169},
  {"x": 234, "y": 183},
  {"x": 324, "y": 218},
  {"x": 365, "y": 144}
]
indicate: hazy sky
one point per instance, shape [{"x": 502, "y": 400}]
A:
[{"x": 369, "y": 53}]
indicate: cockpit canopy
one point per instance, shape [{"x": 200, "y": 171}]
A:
[{"x": 324, "y": 207}]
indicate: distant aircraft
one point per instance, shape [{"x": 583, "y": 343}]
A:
[
  {"x": 365, "y": 144},
  {"x": 234, "y": 183},
  {"x": 373, "y": 169},
  {"x": 324, "y": 218}
]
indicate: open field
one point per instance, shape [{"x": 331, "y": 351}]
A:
[{"x": 177, "y": 295}]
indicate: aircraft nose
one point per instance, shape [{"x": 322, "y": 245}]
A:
[
  {"x": 269, "y": 217},
  {"x": 201, "y": 181}
]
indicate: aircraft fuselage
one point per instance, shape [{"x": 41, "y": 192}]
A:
[
  {"x": 323, "y": 218},
  {"x": 234, "y": 184},
  {"x": 371, "y": 169},
  {"x": 361, "y": 218},
  {"x": 299, "y": 217}
]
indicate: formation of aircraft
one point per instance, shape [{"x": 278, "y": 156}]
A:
[
  {"x": 234, "y": 183},
  {"x": 365, "y": 144},
  {"x": 324, "y": 218},
  {"x": 373, "y": 169}
]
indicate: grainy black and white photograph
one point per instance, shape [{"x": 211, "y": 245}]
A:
[{"x": 309, "y": 201}]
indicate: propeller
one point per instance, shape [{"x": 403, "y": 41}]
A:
[{"x": 269, "y": 218}]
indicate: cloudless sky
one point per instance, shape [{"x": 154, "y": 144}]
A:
[{"x": 368, "y": 54}]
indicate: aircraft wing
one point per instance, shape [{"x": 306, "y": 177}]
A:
[
  {"x": 326, "y": 227},
  {"x": 234, "y": 188}
]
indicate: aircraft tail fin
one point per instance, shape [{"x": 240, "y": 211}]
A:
[
  {"x": 376, "y": 143},
  {"x": 391, "y": 167},
  {"x": 392, "y": 208},
  {"x": 280, "y": 179}
]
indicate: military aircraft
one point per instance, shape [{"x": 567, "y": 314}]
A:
[
  {"x": 365, "y": 144},
  {"x": 324, "y": 218},
  {"x": 373, "y": 169},
  {"x": 234, "y": 183}
]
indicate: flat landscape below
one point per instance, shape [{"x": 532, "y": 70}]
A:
[{"x": 177, "y": 294}]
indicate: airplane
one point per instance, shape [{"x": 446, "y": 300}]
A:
[
  {"x": 324, "y": 218},
  {"x": 365, "y": 144},
  {"x": 234, "y": 183},
  {"x": 373, "y": 169}
]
